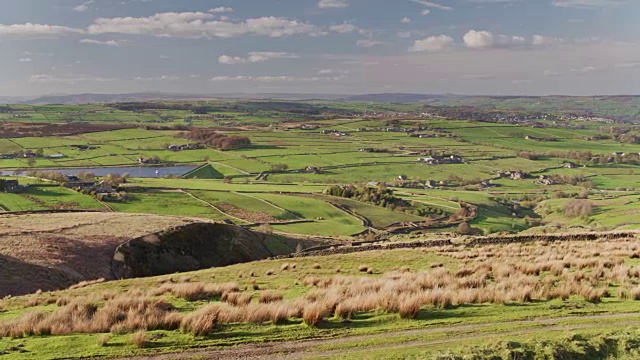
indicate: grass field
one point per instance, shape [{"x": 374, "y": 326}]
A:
[{"x": 593, "y": 292}]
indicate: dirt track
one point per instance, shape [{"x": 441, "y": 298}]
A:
[{"x": 305, "y": 349}]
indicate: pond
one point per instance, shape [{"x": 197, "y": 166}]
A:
[{"x": 134, "y": 171}]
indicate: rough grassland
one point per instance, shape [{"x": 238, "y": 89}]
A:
[{"x": 465, "y": 297}]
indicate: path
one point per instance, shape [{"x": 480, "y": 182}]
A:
[{"x": 311, "y": 348}]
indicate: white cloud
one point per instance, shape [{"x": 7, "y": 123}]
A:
[
  {"x": 425, "y": 12},
  {"x": 367, "y": 43},
  {"x": 98, "y": 42},
  {"x": 589, "y": 4},
  {"x": 539, "y": 40},
  {"x": 333, "y": 72},
  {"x": 405, "y": 20},
  {"x": 269, "y": 79},
  {"x": 83, "y": 7},
  {"x": 24, "y": 60},
  {"x": 343, "y": 28},
  {"x": 481, "y": 39},
  {"x": 256, "y": 57},
  {"x": 586, "y": 69},
  {"x": 34, "y": 31},
  {"x": 70, "y": 79},
  {"x": 164, "y": 57},
  {"x": 157, "y": 78},
  {"x": 475, "y": 39},
  {"x": 221, "y": 9},
  {"x": 200, "y": 25},
  {"x": 433, "y": 44},
  {"x": 431, "y": 4},
  {"x": 332, "y": 4}
]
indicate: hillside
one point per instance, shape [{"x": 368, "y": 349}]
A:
[
  {"x": 54, "y": 251},
  {"x": 489, "y": 298}
]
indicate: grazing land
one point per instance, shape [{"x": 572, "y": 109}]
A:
[
  {"x": 320, "y": 229},
  {"x": 437, "y": 301}
]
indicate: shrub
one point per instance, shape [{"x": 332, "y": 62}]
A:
[{"x": 578, "y": 208}]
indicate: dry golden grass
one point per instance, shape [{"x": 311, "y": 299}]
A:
[
  {"x": 103, "y": 340},
  {"x": 195, "y": 291},
  {"x": 495, "y": 274},
  {"x": 203, "y": 321},
  {"x": 139, "y": 339},
  {"x": 270, "y": 296}
]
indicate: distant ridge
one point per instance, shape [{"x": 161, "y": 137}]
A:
[
  {"x": 80, "y": 99},
  {"x": 433, "y": 99}
]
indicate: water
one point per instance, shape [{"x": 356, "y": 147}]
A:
[{"x": 134, "y": 171}]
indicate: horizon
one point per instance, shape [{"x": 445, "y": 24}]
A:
[{"x": 350, "y": 47}]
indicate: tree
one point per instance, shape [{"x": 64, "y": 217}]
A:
[
  {"x": 464, "y": 229},
  {"x": 31, "y": 162},
  {"x": 39, "y": 152}
]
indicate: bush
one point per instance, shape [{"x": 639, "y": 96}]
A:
[{"x": 578, "y": 208}]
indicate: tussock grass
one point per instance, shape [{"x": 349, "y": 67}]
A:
[{"x": 139, "y": 339}]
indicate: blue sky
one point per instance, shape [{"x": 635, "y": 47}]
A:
[{"x": 528, "y": 47}]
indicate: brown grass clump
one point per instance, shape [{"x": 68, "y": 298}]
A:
[
  {"x": 409, "y": 307},
  {"x": 363, "y": 268},
  {"x": 635, "y": 293},
  {"x": 196, "y": 291},
  {"x": 267, "y": 297},
  {"x": 123, "y": 314},
  {"x": 237, "y": 299},
  {"x": 139, "y": 339},
  {"x": 203, "y": 321},
  {"x": 270, "y": 272},
  {"x": 316, "y": 266},
  {"x": 313, "y": 314},
  {"x": 104, "y": 339},
  {"x": 284, "y": 267}
]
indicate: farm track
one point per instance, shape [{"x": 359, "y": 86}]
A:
[{"x": 313, "y": 348}]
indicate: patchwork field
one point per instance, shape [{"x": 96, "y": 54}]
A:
[{"x": 218, "y": 185}]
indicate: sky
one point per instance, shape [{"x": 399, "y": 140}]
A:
[{"x": 486, "y": 47}]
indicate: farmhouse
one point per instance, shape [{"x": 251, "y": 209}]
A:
[
  {"x": 440, "y": 160},
  {"x": 74, "y": 182},
  {"x": 149, "y": 161},
  {"x": 545, "y": 180},
  {"x": 570, "y": 165},
  {"x": 313, "y": 170},
  {"x": 185, "y": 147},
  {"x": 518, "y": 175}
]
